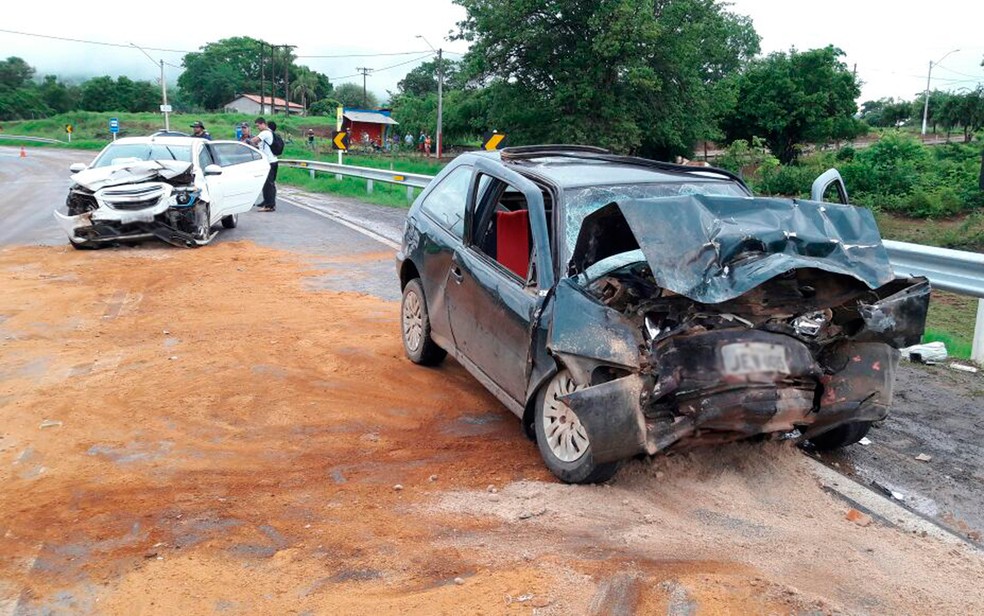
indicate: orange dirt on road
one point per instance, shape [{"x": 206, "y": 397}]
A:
[{"x": 197, "y": 432}]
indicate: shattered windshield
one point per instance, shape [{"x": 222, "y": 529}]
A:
[
  {"x": 581, "y": 202},
  {"x": 135, "y": 152}
]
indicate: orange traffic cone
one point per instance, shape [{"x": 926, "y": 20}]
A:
[{"x": 23, "y": 152}]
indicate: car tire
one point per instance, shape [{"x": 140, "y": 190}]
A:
[
  {"x": 841, "y": 436},
  {"x": 415, "y": 322},
  {"x": 562, "y": 440},
  {"x": 204, "y": 231},
  {"x": 230, "y": 222}
]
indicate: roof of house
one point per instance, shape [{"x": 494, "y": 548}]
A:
[
  {"x": 277, "y": 102},
  {"x": 368, "y": 117}
]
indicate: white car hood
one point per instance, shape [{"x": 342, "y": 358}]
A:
[{"x": 128, "y": 173}]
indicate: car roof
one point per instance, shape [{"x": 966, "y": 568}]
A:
[
  {"x": 163, "y": 139},
  {"x": 584, "y": 166}
]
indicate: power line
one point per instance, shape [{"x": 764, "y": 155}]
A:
[
  {"x": 385, "y": 68},
  {"x": 367, "y": 55},
  {"x": 981, "y": 76},
  {"x": 75, "y": 40}
]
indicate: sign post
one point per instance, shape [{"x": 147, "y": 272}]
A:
[
  {"x": 493, "y": 141},
  {"x": 68, "y": 129},
  {"x": 114, "y": 126},
  {"x": 339, "y": 119}
]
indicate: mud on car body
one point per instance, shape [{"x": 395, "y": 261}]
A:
[
  {"x": 625, "y": 307},
  {"x": 167, "y": 187}
]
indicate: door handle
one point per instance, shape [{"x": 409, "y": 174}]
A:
[{"x": 456, "y": 274}]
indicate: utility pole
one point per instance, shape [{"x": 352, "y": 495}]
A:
[
  {"x": 262, "y": 74},
  {"x": 929, "y": 76},
  {"x": 440, "y": 94},
  {"x": 287, "y": 49},
  {"x": 365, "y": 98},
  {"x": 167, "y": 121}
]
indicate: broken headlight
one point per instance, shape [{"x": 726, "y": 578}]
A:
[{"x": 184, "y": 197}]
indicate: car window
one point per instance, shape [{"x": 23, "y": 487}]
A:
[
  {"x": 446, "y": 203},
  {"x": 228, "y": 154},
  {"x": 205, "y": 157},
  {"x": 118, "y": 154},
  {"x": 501, "y": 229},
  {"x": 580, "y": 202}
]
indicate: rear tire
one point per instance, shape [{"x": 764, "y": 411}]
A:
[
  {"x": 231, "y": 221},
  {"x": 841, "y": 436},
  {"x": 415, "y": 321},
  {"x": 562, "y": 440}
]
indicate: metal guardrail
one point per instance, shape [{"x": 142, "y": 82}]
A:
[
  {"x": 956, "y": 271},
  {"x": 35, "y": 139}
]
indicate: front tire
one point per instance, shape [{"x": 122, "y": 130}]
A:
[
  {"x": 841, "y": 436},
  {"x": 230, "y": 222},
  {"x": 562, "y": 439},
  {"x": 415, "y": 321}
]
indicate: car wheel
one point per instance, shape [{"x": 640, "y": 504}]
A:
[
  {"x": 204, "y": 225},
  {"x": 562, "y": 439},
  {"x": 841, "y": 436},
  {"x": 417, "y": 343},
  {"x": 231, "y": 221}
]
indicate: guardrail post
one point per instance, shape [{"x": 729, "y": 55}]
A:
[
  {"x": 409, "y": 194},
  {"x": 977, "y": 354},
  {"x": 369, "y": 186},
  {"x": 312, "y": 174}
]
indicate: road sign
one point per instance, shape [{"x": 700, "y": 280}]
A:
[
  {"x": 494, "y": 141},
  {"x": 166, "y": 109},
  {"x": 114, "y": 125},
  {"x": 341, "y": 140},
  {"x": 68, "y": 129},
  {"x": 339, "y": 117}
]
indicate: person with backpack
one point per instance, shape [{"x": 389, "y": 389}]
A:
[{"x": 271, "y": 145}]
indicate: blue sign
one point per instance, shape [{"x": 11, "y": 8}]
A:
[{"x": 114, "y": 125}]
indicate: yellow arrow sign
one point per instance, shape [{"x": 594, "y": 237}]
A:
[
  {"x": 341, "y": 140},
  {"x": 493, "y": 141}
]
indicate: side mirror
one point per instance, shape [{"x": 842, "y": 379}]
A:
[
  {"x": 76, "y": 167},
  {"x": 213, "y": 169}
]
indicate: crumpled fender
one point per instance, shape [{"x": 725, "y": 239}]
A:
[
  {"x": 612, "y": 416},
  {"x": 585, "y": 334}
]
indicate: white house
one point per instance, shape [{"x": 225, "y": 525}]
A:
[{"x": 250, "y": 103}]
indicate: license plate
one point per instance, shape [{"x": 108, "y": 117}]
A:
[{"x": 752, "y": 357}]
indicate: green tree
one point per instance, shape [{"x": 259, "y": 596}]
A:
[
  {"x": 350, "y": 95},
  {"x": 324, "y": 107},
  {"x": 15, "y": 73},
  {"x": 795, "y": 98},
  {"x": 633, "y": 75},
  {"x": 221, "y": 70},
  {"x": 58, "y": 96},
  {"x": 305, "y": 86},
  {"x": 422, "y": 80}
]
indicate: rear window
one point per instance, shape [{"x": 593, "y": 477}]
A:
[
  {"x": 580, "y": 202},
  {"x": 135, "y": 152}
]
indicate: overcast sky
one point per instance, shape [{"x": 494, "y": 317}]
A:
[{"x": 891, "y": 43}]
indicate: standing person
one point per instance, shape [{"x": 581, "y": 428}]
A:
[
  {"x": 409, "y": 141},
  {"x": 198, "y": 130},
  {"x": 263, "y": 140},
  {"x": 420, "y": 142},
  {"x": 244, "y": 133},
  {"x": 427, "y": 146},
  {"x": 310, "y": 138}
]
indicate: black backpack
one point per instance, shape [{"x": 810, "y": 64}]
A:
[{"x": 277, "y": 146}]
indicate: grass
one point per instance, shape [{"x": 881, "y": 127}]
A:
[
  {"x": 951, "y": 320},
  {"x": 383, "y": 194}
]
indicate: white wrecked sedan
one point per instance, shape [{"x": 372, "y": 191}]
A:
[{"x": 171, "y": 188}]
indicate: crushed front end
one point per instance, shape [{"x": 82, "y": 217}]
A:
[
  {"x": 145, "y": 200},
  {"x": 775, "y": 334}
]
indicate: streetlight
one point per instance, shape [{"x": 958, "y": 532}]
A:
[
  {"x": 928, "y": 77},
  {"x": 164, "y": 106},
  {"x": 440, "y": 94}
]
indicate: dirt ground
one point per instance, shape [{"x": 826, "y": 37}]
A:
[{"x": 198, "y": 432}]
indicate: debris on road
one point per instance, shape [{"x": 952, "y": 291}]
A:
[
  {"x": 865, "y": 441},
  {"x": 853, "y": 515},
  {"x": 398, "y": 487},
  {"x": 929, "y": 353},
  {"x": 924, "y": 457},
  {"x": 964, "y": 368},
  {"x": 50, "y": 423}
]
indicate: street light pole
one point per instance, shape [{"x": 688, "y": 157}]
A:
[
  {"x": 440, "y": 94},
  {"x": 167, "y": 122},
  {"x": 929, "y": 76}
]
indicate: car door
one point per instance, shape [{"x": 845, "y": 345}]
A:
[
  {"x": 496, "y": 277},
  {"x": 244, "y": 170}
]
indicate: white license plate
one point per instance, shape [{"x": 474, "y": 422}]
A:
[{"x": 752, "y": 357}]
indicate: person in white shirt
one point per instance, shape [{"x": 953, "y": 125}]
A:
[{"x": 262, "y": 140}]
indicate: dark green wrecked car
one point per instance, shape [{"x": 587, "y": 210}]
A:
[{"x": 624, "y": 307}]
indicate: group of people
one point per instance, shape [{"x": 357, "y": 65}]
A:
[
  {"x": 423, "y": 143},
  {"x": 262, "y": 141}
]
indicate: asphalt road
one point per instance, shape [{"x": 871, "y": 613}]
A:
[{"x": 937, "y": 412}]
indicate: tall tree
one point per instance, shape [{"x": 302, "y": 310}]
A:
[
  {"x": 350, "y": 95},
  {"x": 633, "y": 75},
  {"x": 221, "y": 70},
  {"x": 305, "y": 86},
  {"x": 15, "y": 73},
  {"x": 795, "y": 98}
]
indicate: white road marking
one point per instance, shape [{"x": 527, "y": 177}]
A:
[{"x": 345, "y": 223}]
